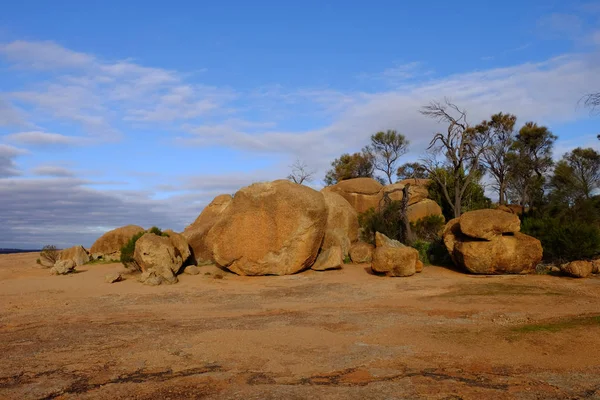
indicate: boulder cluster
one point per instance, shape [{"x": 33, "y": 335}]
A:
[
  {"x": 489, "y": 242},
  {"x": 366, "y": 193}
]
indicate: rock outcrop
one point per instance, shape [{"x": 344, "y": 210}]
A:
[
  {"x": 510, "y": 252},
  {"x": 361, "y": 252},
  {"x": 393, "y": 258},
  {"x": 196, "y": 233},
  {"x": 577, "y": 269},
  {"x": 113, "y": 277},
  {"x": 76, "y": 253},
  {"x": 109, "y": 245},
  {"x": 160, "y": 257},
  {"x": 329, "y": 259},
  {"x": 342, "y": 223},
  {"x": 361, "y": 193},
  {"x": 273, "y": 228},
  {"x": 422, "y": 209}
]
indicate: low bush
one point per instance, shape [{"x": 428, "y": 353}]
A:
[
  {"x": 127, "y": 252},
  {"x": 50, "y": 254},
  {"x": 564, "y": 241},
  {"x": 428, "y": 228},
  {"x": 423, "y": 249}
]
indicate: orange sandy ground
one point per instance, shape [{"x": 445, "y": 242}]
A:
[{"x": 341, "y": 334}]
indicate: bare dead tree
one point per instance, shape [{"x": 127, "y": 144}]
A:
[
  {"x": 460, "y": 147},
  {"x": 300, "y": 172},
  {"x": 385, "y": 201},
  {"x": 592, "y": 101}
]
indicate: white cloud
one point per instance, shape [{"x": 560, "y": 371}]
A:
[
  {"x": 37, "y": 138},
  {"x": 43, "y": 55},
  {"x": 7, "y": 165}
]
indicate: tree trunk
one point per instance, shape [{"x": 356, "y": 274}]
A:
[
  {"x": 457, "y": 198},
  {"x": 502, "y": 199},
  {"x": 408, "y": 235}
]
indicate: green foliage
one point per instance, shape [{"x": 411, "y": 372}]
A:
[
  {"x": 473, "y": 198},
  {"x": 577, "y": 175},
  {"x": 422, "y": 247},
  {"x": 155, "y": 230},
  {"x": 50, "y": 254},
  {"x": 347, "y": 260},
  {"x": 385, "y": 149},
  {"x": 428, "y": 228},
  {"x": 565, "y": 240},
  {"x": 38, "y": 261},
  {"x": 129, "y": 248},
  {"x": 348, "y": 166},
  {"x": 413, "y": 170},
  {"x": 388, "y": 221}
]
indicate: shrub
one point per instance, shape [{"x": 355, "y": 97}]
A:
[
  {"x": 423, "y": 249},
  {"x": 157, "y": 231},
  {"x": 50, "y": 254},
  {"x": 347, "y": 260},
  {"x": 388, "y": 221},
  {"x": 38, "y": 261},
  {"x": 564, "y": 241},
  {"x": 128, "y": 249},
  {"x": 428, "y": 228}
]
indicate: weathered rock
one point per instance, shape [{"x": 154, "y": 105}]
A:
[
  {"x": 152, "y": 277},
  {"x": 159, "y": 254},
  {"x": 419, "y": 266},
  {"x": 113, "y": 277},
  {"x": 361, "y": 193},
  {"x": 416, "y": 182},
  {"x": 180, "y": 243},
  {"x": 393, "y": 258},
  {"x": 273, "y": 228},
  {"x": 596, "y": 266},
  {"x": 514, "y": 254},
  {"x": 191, "y": 270},
  {"x": 577, "y": 269},
  {"x": 422, "y": 209},
  {"x": 505, "y": 208},
  {"x": 361, "y": 252},
  {"x": 76, "y": 253},
  {"x": 342, "y": 223},
  {"x": 63, "y": 267},
  {"x": 197, "y": 231},
  {"x": 488, "y": 224},
  {"x": 382, "y": 240},
  {"x": 329, "y": 259},
  {"x": 109, "y": 245}
]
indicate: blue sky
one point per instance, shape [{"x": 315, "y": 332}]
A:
[{"x": 141, "y": 112}]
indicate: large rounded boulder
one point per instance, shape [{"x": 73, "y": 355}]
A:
[
  {"x": 361, "y": 193},
  {"x": 196, "y": 233},
  {"x": 489, "y": 224},
  {"x": 109, "y": 245},
  {"x": 422, "y": 209},
  {"x": 342, "y": 223},
  {"x": 273, "y": 228}
]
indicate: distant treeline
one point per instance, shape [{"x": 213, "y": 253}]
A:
[{"x": 11, "y": 251}]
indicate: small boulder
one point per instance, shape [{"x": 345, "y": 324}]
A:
[
  {"x": 271, "y": 228},
  {"x": 152, "y": 277},
  {"x": 113, "y": 277},
  {"x": 422, "y": 209},
  {"x": 191, "y": 270},
  {"x": 63, "y": 267},
  {"x": 488, "y": 224},
  {"x": 159, "y": 254},
  {"x": 76, "y": 253},
  {"x": 596, "y": 266},
  {"x": 393, "y": 258},
  {"x": 361, "y": 252},
  {"x": 109, "y": 245},
  {"x": 329, "y": 259},
  {"x": 419, "y": 267},
  {"x": 577, "y": 269},
  {"x": 342, "y": 223},
  {"x": 382, "y": 240}
]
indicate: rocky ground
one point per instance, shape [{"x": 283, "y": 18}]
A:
[{"x": 342, "y": 334}]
